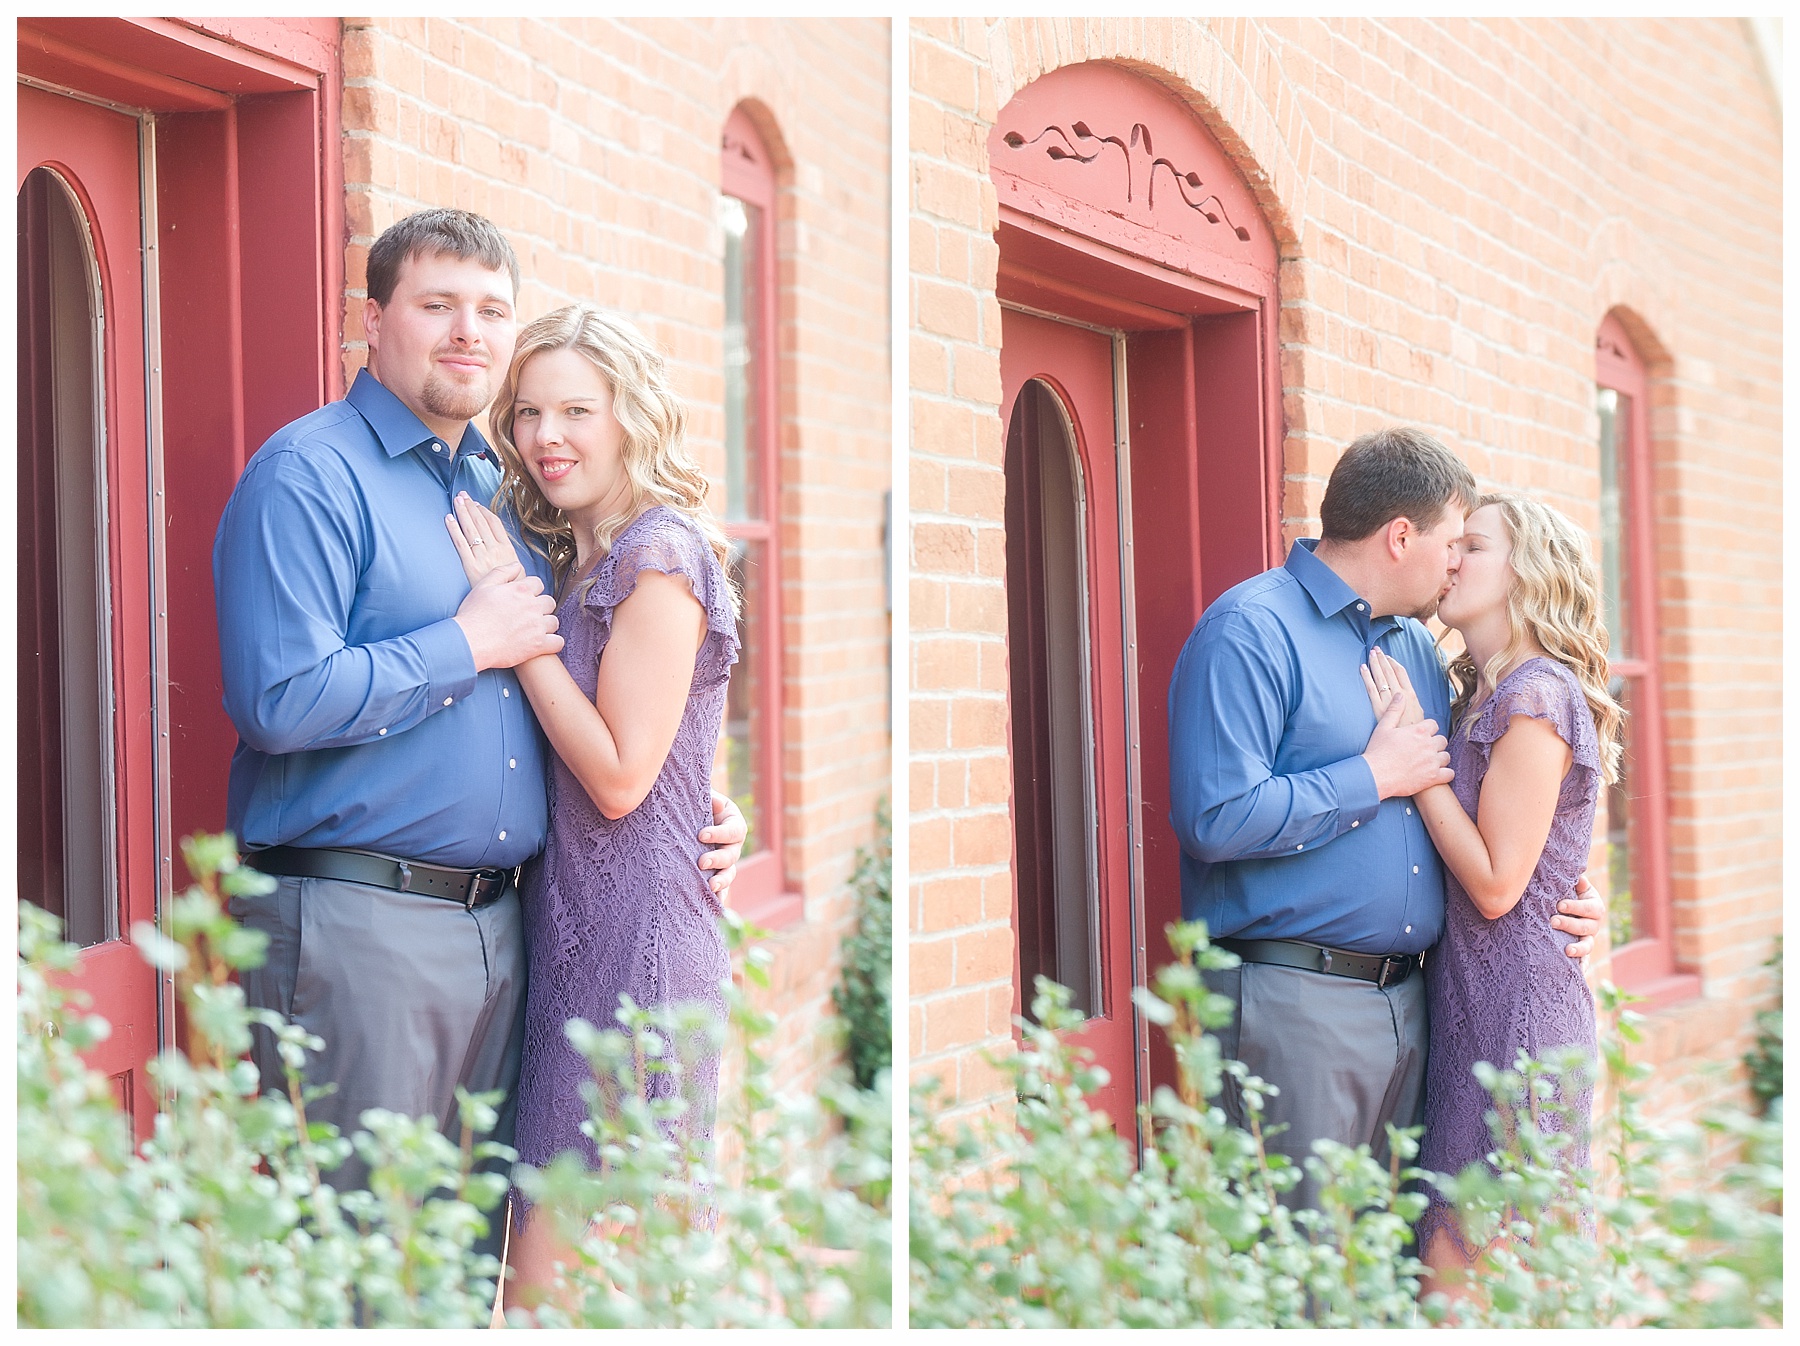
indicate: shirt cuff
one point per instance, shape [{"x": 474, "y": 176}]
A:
[
  {"x": 449, "y": 663},
  {"x": 1357, "y": 798}
]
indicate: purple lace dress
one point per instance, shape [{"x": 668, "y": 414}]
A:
[
  {"x": 620, "y": 907},
  {"x": 1495, "y": 987}
]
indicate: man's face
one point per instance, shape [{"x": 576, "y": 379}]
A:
[
  {"x": 444, "y": 338},
  {"x": 1431, "y": 559}
]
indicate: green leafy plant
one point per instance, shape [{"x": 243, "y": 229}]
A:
[
  {"x": 1049, "y": 1219},
  {"x": 863, "y": 995},
  {"x": 1764, "y": 1057},
  {"x": 227, "y": 1217}
]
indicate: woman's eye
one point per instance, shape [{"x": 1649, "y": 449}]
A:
[
  {"x": 577, "y": 411},
  {"x": 525, "y": 411}
]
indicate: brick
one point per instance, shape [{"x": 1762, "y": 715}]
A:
[{"x": 1467, "y": 200}]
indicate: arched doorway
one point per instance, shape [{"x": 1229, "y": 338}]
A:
[{"x": 1137, "y": 284}]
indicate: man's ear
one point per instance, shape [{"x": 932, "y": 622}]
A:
[
  {"x": 1400, "y": 536},
  {"x": 371, "y": 323}
]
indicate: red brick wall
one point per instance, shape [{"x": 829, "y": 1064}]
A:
[
  {"x": 594, "y": 145},
  {"x": 1459, "y": 205}
]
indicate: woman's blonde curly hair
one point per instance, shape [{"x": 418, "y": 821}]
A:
[
  {"x": 657, "y": 463},
  {"x": 1554, "y": 600}
]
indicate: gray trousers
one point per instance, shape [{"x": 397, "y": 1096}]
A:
[
  {"x": 1347, "y": 1055},
  {"x": 413, "y": 996}
]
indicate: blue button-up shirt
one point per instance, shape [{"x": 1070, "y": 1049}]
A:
[
  {"x": 1282, "y": 835},
  {"x": 362, "y": 722}
]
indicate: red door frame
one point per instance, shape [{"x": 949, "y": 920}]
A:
[
  {"x": 242, "y": 317},
  {"x": 1646, "y": 966},
  {"x": 1079, "y": 159},
  {"x": 95, "y": 151},
  {"x": 1078, "y": 366}
]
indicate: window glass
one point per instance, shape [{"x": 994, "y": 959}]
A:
[
  {"x": 742, "y": 228},
  {"x": 1615, "y": 412},
  {"x": 1052, "y": 738},
  {"x": 745, "y": 730},
  {"x": 65, "y": 750}
]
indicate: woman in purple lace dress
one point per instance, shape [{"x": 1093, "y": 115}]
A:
[
  {"x": 1514, "y": 829},
  {"x": 592, "y": 439}
]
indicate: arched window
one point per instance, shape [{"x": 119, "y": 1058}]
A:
[
  {"x": 67, "y": 824},
  {"x": 1054, "y": 818},
  {"x": 1637, "y": 805},
  {"x": 751, "y": 517}
]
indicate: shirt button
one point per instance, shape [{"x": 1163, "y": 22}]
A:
[
  {"x": 1356, "y": 822},
  {"x": 1415, "y": 867},
  {"x": 1361, "y": 608},
  {"x": 506, "y": 691},
  {"x": 436, "y": 447},
  {"x": 447, "y": 700},
  {"x": 380, "y": 732},
  {"x": 1409, "y": 813},
  {"x": 503, "y": 834},
  {"x": 1300, "y": 848},
  {"x": 1409, "y": 930},
  {"x": 512, "y": 762}
]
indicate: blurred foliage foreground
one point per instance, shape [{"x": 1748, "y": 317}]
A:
[
  {"x": 226, "y": 1216},
  {"x": 1048, "y": 1220}
]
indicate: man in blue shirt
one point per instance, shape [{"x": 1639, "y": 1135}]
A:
[
  {"x": 388, "y": 769},
  {"x": 1301, "y": 848}
]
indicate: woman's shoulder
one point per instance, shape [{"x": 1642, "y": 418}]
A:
[
  {"x": 661, "y": 538},
  {"x": 1542, "y": 688}
]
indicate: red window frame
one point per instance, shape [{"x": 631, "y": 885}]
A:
[
  {"x": 762, "y": 893},
  {"x": 1646, "y": 965}
]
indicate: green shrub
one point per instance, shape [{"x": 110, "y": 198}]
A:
[
  {"x": 1764, "y": 1056},
  {"x": 226, "y": 1216},
  {"x": 863, "y": 995},
  {"x": 1049, "y": 1221}
]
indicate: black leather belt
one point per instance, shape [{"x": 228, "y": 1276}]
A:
[
  {"x": 471, "y": 887},
  {"x": 1383, "y": 970}
]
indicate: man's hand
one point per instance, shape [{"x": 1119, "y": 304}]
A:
[
  {"x": 508, "y": 619},
  {"x": 1406, "y": 758},
  {"x": 1584, "y": 915},
  {"x": 727, "y": 835}
]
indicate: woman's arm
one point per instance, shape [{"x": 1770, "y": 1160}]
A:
[
  {"x": 1493, "y": 855},
  {"x": 616, "y": 744}
]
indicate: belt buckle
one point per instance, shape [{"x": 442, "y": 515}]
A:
[
  {"x": 1389, "y": 965},
  {"x": 482, "y": 883}
]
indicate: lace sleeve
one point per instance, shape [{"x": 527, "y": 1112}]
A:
[
  {"x": 1544, "y": 690},
  {"x": 665, "y": 540}
]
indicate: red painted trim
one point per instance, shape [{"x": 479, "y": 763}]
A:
[
  {"x": 1080, "y": 236},
  {"x": 95, "y": 152},
  {"x": 1647, "y": 964},
  {"x": 1078, "y": 367},
  {"x": 250, "y": 186},
  {"x": 763, "y": 890}
]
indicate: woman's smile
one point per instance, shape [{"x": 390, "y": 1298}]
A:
[{"x": 572, "y": 443}]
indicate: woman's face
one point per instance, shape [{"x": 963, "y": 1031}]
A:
[
  {"x": 1479, "y": 587},
  {"x": 566, "y": 432}
]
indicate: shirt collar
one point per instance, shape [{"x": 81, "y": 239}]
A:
[
  {"x": 1323, "y": 585},
  {"x": 396, "y": 426}
]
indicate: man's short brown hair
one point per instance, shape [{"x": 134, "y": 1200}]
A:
[
  {"x": 1397, "y": 473},
  {"x": 459, "y": 233}
]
